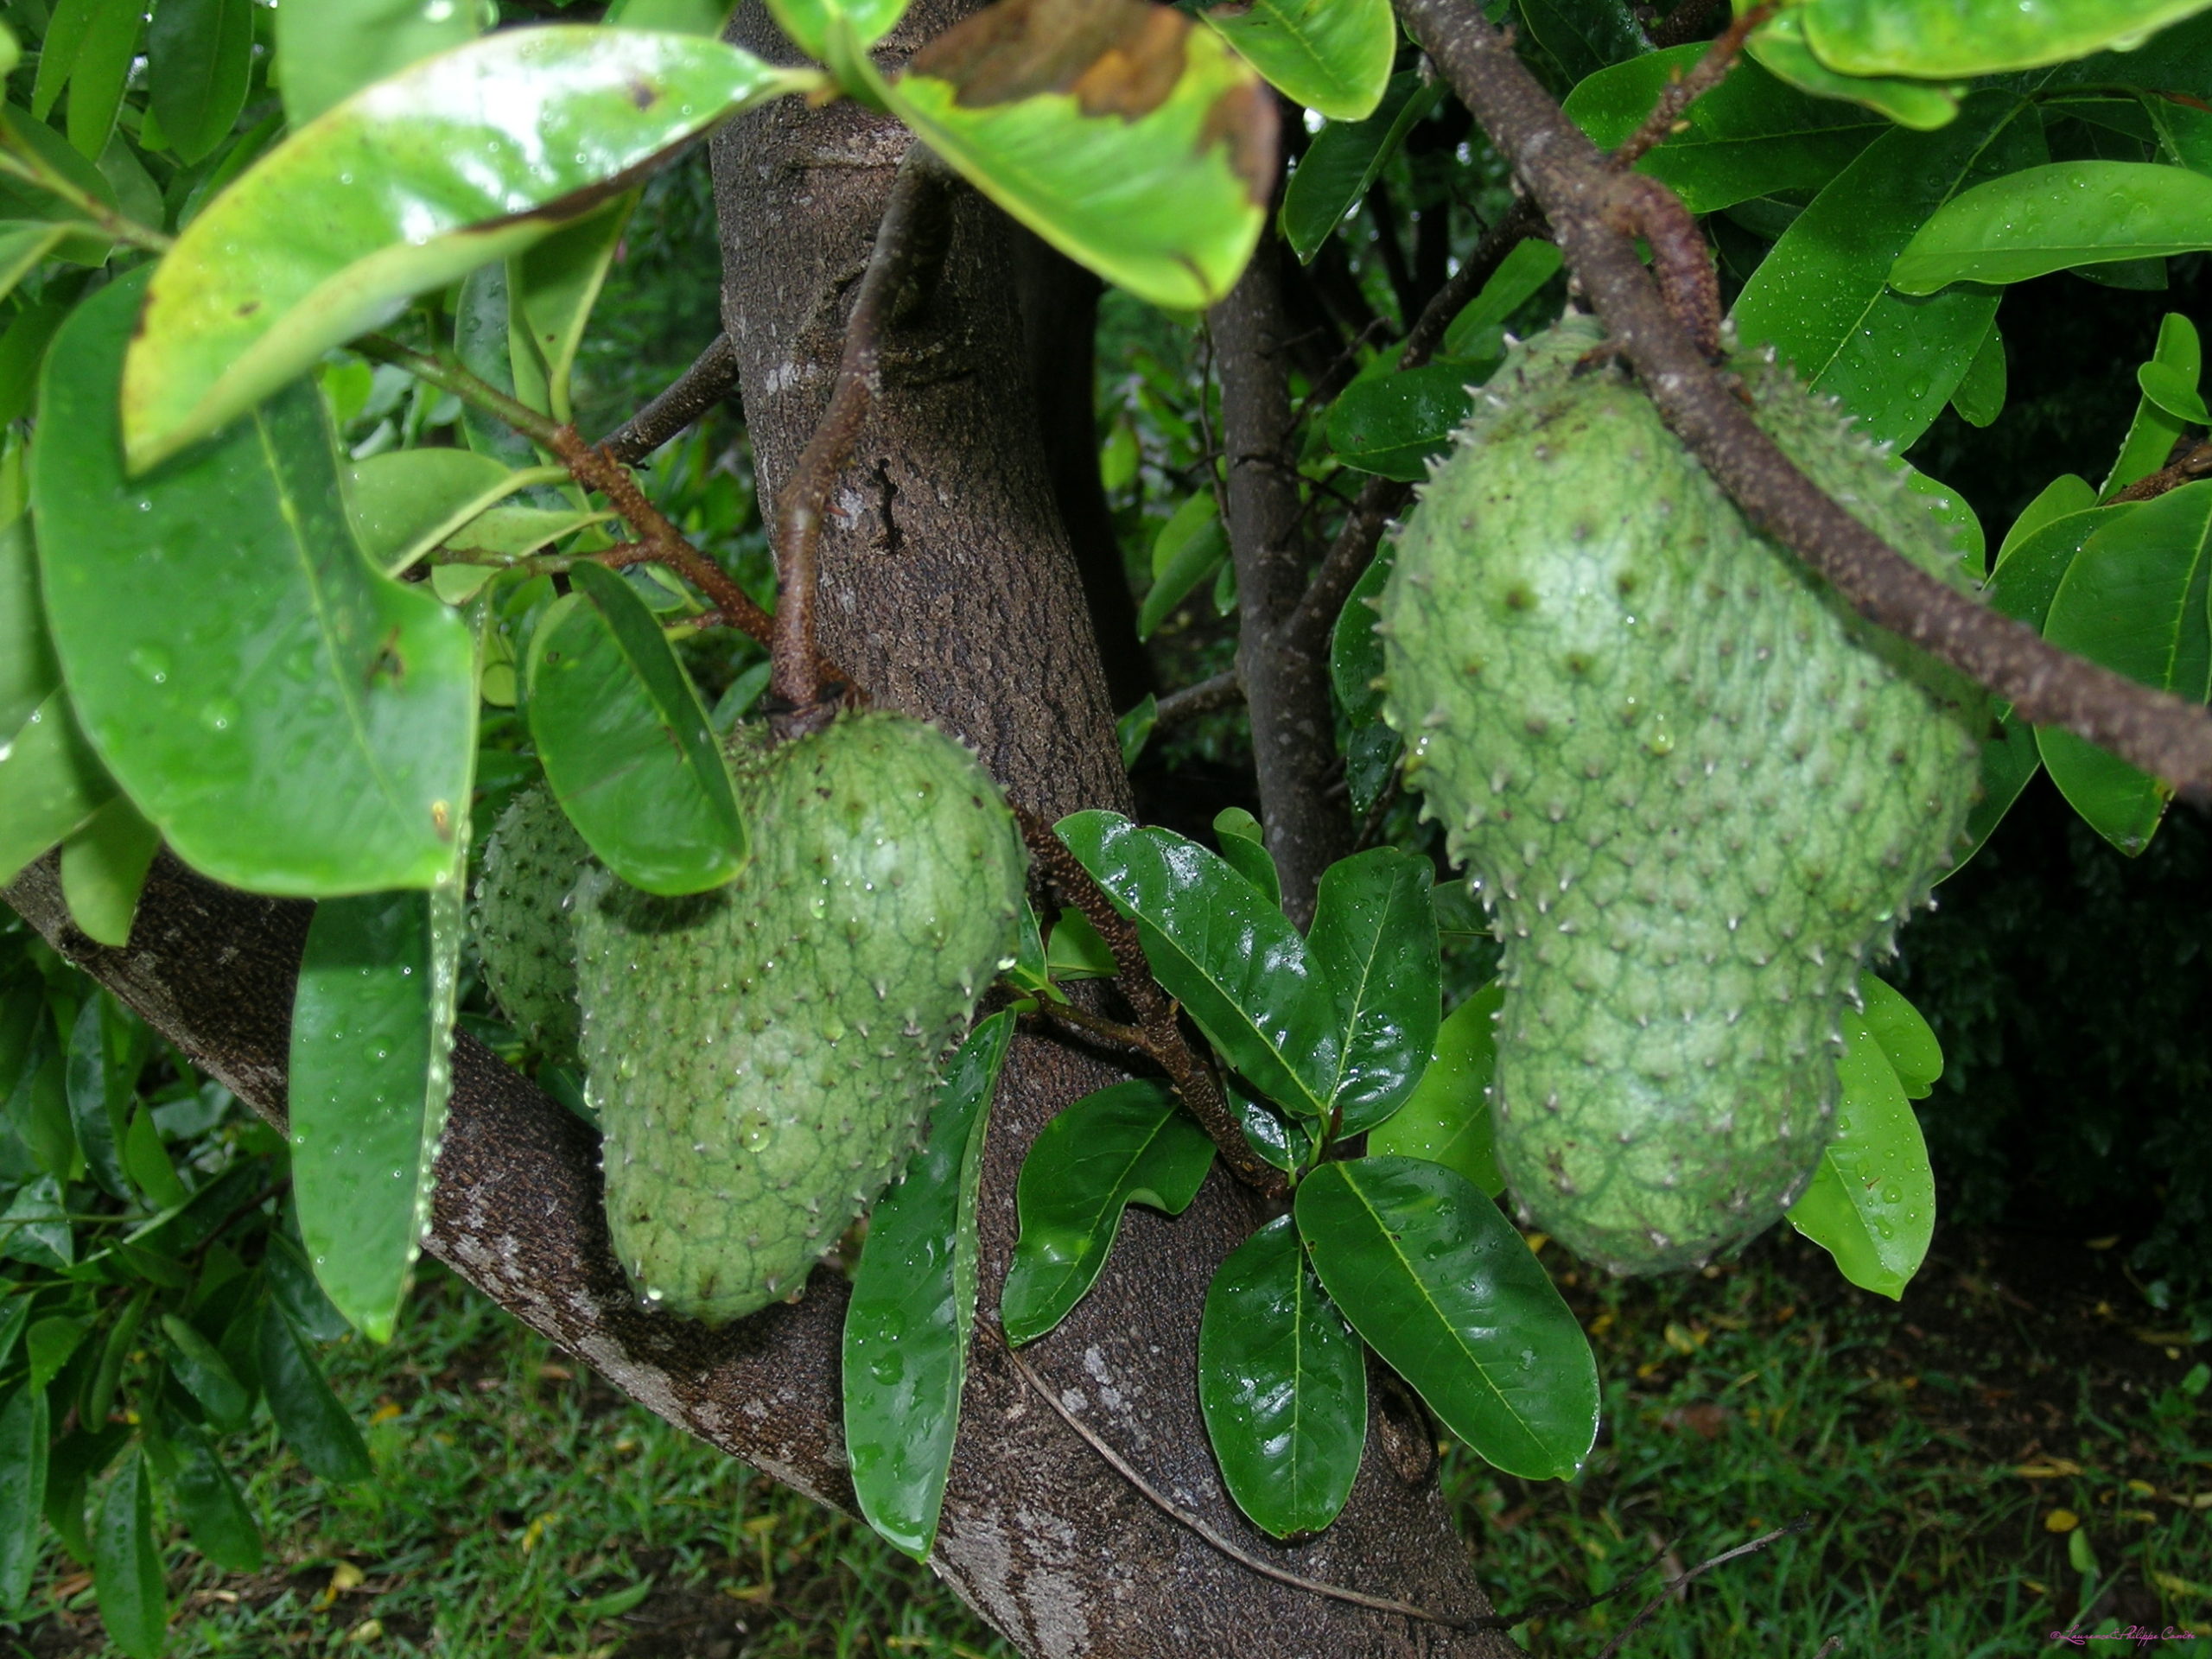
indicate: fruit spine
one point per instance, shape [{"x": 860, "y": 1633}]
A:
[
  {"x": 762, "y": 1057},
  {"x": 1695, "y": 790}
]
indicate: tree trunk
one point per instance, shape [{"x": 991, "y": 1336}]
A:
[{"x": 949, "y": 590}]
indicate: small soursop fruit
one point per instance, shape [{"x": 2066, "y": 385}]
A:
[
  {"x": 1693, "y": 788},
  {"x": 762, "y": 1057},
  {"x": 523, "y": 934}
]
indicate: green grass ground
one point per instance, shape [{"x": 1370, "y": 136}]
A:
[{"x": 521, "y": 1507}]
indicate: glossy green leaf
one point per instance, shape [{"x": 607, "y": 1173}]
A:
[
  {"x": 370, "y": 1075},
  {"x": 98, "y": 77},
  {"x": 298, "y": 1293},
  {"x": 2173, "y": 389},
  {"x": 1076, "y": 952},
  {"x": 2057, "y": 217},
  {"x": 1820, "y": 297},
  {"x": 1975, "y": 37},
  {"x": 65, "y": 37},
  {"x": 403, "y": 502},
  {"x": 1586, "y": 37},
  {"x": 1394, "y": 423},
  {"x": 1778, "y": 46},
  {"x": 1355, "y": 648},
  {"x": 103, "y": 865},
  {"x": 309, "y": 1417},
  {"x": 1477, "y": 331},
  {"x": 2135, "y": 599},
  {"x": 913, "y": 1306},
  {"x": 2068, "y": 492},
  {"x": 51, "y": 783},
  {"x": 29, "y": 673},
  {"x": 1127, "y": 1144},
  {"x": 22, "y": 355},
  {"x": 1753, "y": 134},
  {"x": 1979, "y": 394},
  {"x": 47, "y": 1345},
  {"x": 1283, "y": 1385},
  {"x": 810, "y": 23},
  {"x": 1442, "y": 1287},
  {"x": 478, "y": 153},
  {"x": 127, "y": 1564},
  {"x": 1374, "y": 940},
  {"x": 208, "y": 1501},
  {"x": 515, "y": 531},
  {"x": 294, "y": 722},
  {"x": 625, "y": 743},
  {"x": 199, "y": 1364},
  {"x": 2184, "y": 132},
  {"x": 98, "y": 1095},
  {"x": 1125, "y": 135},
  {"x": 1907, "y": 1040},
  {"x": 1331, "y": 55},
  {"x": 1871, "y": 1203},
  {"x": 1191, "y": 546},
  {"x": 2009, "y": 761},
  {"x": 198, "y": 61},
  {"x": 36, "y": 1223},
  {"x": 1281, "y": 1139},
  {"x": 53, "y": 154},
  {"x": 552, "y": 286},
  {"x": 1345, "y": 158},
  {"x": 148, "y": 1162},
  {"x": 2154, "y": 431},
  {"x": 2029, "y": 569},
  {"x": 23, "y": 1435},
  {"x": 25, "y": 243},
  {"x": 1446, "y": 1119},
  {"x": 99, "y": 1396},
  {"x": 1244, "y": 849},
  {"x": 328, "y": 50},
  {"x": 1220, "y": 948},
  {"x": 484, "y": 341}
]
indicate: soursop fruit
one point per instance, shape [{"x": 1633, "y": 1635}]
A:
[
  {"x": 1693, "y": 788},
  {"x": 762, "y": 1057},
  {"x": 531, "y": 862}
]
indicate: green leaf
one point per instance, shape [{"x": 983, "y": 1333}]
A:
[
  {"x": 65, "y": 37},
  {"x": 199, "y": 1364},
  {"x": 2173, "y": 389},
  {"x": 50, "y": 784},
  {"x": 199, "y": 59},
  {"x": 47, "y": 1345},
  {"x": 308, "y": 1415},
  {"x": 478, "y": 152},
  {"x": 2055, "y": 218},
  {"x": 2153, "y": 432},
  {"x": 103, "y": 865},
  {"x": 2184, "y": 132},
  {"x": 1127, "y": 1144},
  {"x": 29, "y": 673},
  {"x": 1444, "y": 1289},
  {"x": 147, "y": 1161},
  {"x": 1753, "y": 134},
  {"x": 1244, "y": 849},
  {"x": 36, "y": 1224},
  {"x": 1283, "y": 1386},
  {"x": 1820, "y": 297},
  {"x": 1778, "y": 46},
  {"x": 1976, "y": 37},
  {"x": 2030, "y": 568},
  {"x": 1355, "y": 648},
  {"x": 1585, "y": 35},
  {"x": 1871, "y": 1203},
  {"x": 1030, "y": 974},
  {"x": 1345, "y": 158},
  {"x": 294, "y": 722},
  {"x": 207, "y": 1499},
  {"x": 1477, "y": 331},
  {"x": 299, "y": 1295},
  {"x": 1374, "y": 940},
  {"x": 127, "y": 1565},
  {"x": 1394, "y": 423},
  {"x": 1284, "y": 1141},
  {"x": 625, "y": 743},
  {"x": 1331, "y": 55},
  {"x": 1220, "y": 948},
  {"x": 552, "y": 286},
  {"x": 913, "y": 1306},
  {"x": 328, "y": 50},
  {"x": 370, "y": 1075},
  {"x": 1979, "y": 394},
  {"x": 406, "y": 502},
  {"x": 810, "y": 23},
  {"x": 1134, "y": 729},
  {"x": 23, "y": 1434},
  {"x": 2135, "y": 599},
  {"x": 1076, "y": 952},
  {"x": 2066, "y": 493},
  {"x": 25, "y": 243},
  {"x": 103, "y": 66},
  {"x": 1907, "y": 1041},
  {"x": 1446, "y": 1119},
  {"x": 97, "y": 1096},
  {"x": 1191, "y": 546},
  {"x": 1124, "y": 135},
  {"x": 515, "y": 531}
]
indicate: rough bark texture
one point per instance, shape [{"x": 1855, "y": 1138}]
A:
[{"x": 1286, "y": 685}]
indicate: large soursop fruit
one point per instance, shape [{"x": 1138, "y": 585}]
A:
[
  {"x": 530, "y": 865},
  {"x": 762, "y": 1057},
  {"x": 1695, "y": 790}
]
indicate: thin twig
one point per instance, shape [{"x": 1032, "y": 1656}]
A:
[
  {"x": 2192, "y": 463},
  {"x": 617, "y": 557},
  {"x": 1128, "y": 1036},
  {"x": 1219, "y": 692},
  {"x": 472, "y": 389},
  {"x": 1198, "y": 1525},
  {"x": 1673, "y": 1586},
  {"x": 910, "y": 244},
  {"x": 712, "y": 378},
  {"x": 1582, "y": 195},
  {"x": 1683, "y": 91},
  {"x": 1828, "y": 1647},
  {"x": 29, "y": 166}
]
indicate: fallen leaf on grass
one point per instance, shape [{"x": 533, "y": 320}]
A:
[{"x": 2051, "y": 1469}]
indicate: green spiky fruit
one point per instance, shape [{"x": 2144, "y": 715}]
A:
[
  {"x": 1695, "y": 791},
  {"x": 523, "y": 934},
  {"x": 762, "y": 1057}
]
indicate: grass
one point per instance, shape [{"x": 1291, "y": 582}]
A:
[{"x": 520, "y": 1508}]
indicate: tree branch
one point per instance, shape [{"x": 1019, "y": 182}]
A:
[
  {"x": 710, "y": 379},
  {"x": 1685, "y": 90},
  {"x": 1222, "y": 691},
  {"x": 1580, "y": 192}
]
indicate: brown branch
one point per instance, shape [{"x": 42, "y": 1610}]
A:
[
  {"x": 1673, "y": 1586},
  {"x": 2191, "y": 463},
  {"x": 910, "y": 245},
  {"x": 1580, "y": 193},
  {"x": 1683, "y": 91},
  {"x": 1112, "y": 1033},
  {"x": 698, "y": 389},
  {"x": 1222, "y": 691}
]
